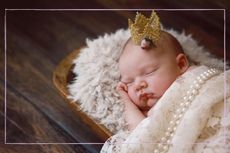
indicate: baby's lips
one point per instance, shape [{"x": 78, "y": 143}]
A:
[{"x": 146, "y": 96}]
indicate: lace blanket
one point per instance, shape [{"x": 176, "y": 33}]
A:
[{"x": 193, "y": 116}]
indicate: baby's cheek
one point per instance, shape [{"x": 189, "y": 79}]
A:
[
  {"x": 165, "y": 84},
  {"x": 160, "y": 84},
  {"x": 132, "y": 95}
]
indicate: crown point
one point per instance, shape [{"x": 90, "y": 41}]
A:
[{"x": 144, "y": 27}]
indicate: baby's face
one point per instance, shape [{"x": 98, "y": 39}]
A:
[{"x": 147, "y": 73}]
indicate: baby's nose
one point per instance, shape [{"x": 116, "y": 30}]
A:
[{"x": 141, "y": 85}]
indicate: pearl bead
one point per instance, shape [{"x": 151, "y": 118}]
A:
[
  {"x": 165, "y": 148},
  {"x": 197, "y": 86},
  {"x": 156, "y": 151},
  {"x": 204, "y": 77},
  {"x": 170, "y": 129},
  {"x": 188, "y": 92},
  {"x": 194, "y": 82},
  {"x": 167, "y": 133},
  {"x": 180, "y": 115},
  {"x": 174, "y": 129},
  {"x": 171, "y": 122},
  {"x": 163, "y": 139},
  {"x": 201, "y": 81},
  {"x": 194, "y": 91},
  {"x": 177, "y": 122},
  {"x": 211, "y": 73},
  {"x": 160, "y": 145},
  {"x": 187, "y": 103},
  {"x": 175, "y": 116},
  {"x": 185, "y": 98},
  {"x": 183, "y": 110},
  {"x": 191, "y": 97},
  {"x": 182, "y": 104},
  {"x": 206, "y": 74},
  {"x": 168, "y": 141},
  {"x": 178, "y": 110}
]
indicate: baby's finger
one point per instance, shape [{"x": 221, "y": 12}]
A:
[{"x": 122, "y": 86}]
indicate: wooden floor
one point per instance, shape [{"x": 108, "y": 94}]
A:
[{"x": 38, "y": 40}]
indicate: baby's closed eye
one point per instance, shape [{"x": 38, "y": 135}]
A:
[{"x": 150, "y": 72}]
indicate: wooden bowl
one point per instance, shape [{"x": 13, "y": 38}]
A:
[{"x": 62, "y": 76}]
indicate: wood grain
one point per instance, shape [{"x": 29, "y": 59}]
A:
[{"x": 35, "y": 128}]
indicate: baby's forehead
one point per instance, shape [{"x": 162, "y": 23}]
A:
[
  {"x": 166, "y": 44},
  {"x": 134, "y": 52}
]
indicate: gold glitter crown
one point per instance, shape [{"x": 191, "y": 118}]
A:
[{"x": 145, "y": 28}]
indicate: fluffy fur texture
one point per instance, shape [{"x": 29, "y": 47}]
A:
[{"x": 97, "y": 73}]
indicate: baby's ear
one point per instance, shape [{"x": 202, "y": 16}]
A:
[{"x": 182, "y": 62}]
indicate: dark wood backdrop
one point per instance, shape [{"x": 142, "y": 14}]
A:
[{"x": 38, "y": 40}]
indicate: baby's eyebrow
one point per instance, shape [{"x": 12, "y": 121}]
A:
[{"x": 148, "y": 66}]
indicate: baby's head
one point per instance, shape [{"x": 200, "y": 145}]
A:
[{"x": 148, "y": 73}]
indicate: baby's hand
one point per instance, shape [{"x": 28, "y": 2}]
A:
[
  {"x": 133, "y": 115},
  {"x": 123, "y": 91}
]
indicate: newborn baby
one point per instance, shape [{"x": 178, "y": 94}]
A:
[
  {"x": 146, "y": 73},
  {"x": 154, "y": 69}
]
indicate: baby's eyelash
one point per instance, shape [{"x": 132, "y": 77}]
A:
[{"x": 149, "y": 73}]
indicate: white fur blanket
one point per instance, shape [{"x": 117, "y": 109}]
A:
[
  {"x": 199, "y": 123},
  {"x": 97, "y": 75}
]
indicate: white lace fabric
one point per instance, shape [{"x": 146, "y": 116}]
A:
[{"x": 202, "y": 128}]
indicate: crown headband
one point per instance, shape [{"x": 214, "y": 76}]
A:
[{"x": 145, "y": 29}]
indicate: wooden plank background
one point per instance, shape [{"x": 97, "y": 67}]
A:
[{"x": 38, "y": 40}]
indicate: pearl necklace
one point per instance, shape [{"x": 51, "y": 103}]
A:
[{"x": 165, "y": 141}]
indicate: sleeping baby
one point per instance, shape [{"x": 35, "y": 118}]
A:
[
  {"x": 171, "y": 106},
  {"x": 146, "y": 73}
]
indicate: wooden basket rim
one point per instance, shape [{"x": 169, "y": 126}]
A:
[{"x": 60, "y": 81}]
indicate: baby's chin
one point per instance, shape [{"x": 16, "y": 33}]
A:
[
  {"x": 152, "y": 102},
  {"x": 149, "y": 103}
]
